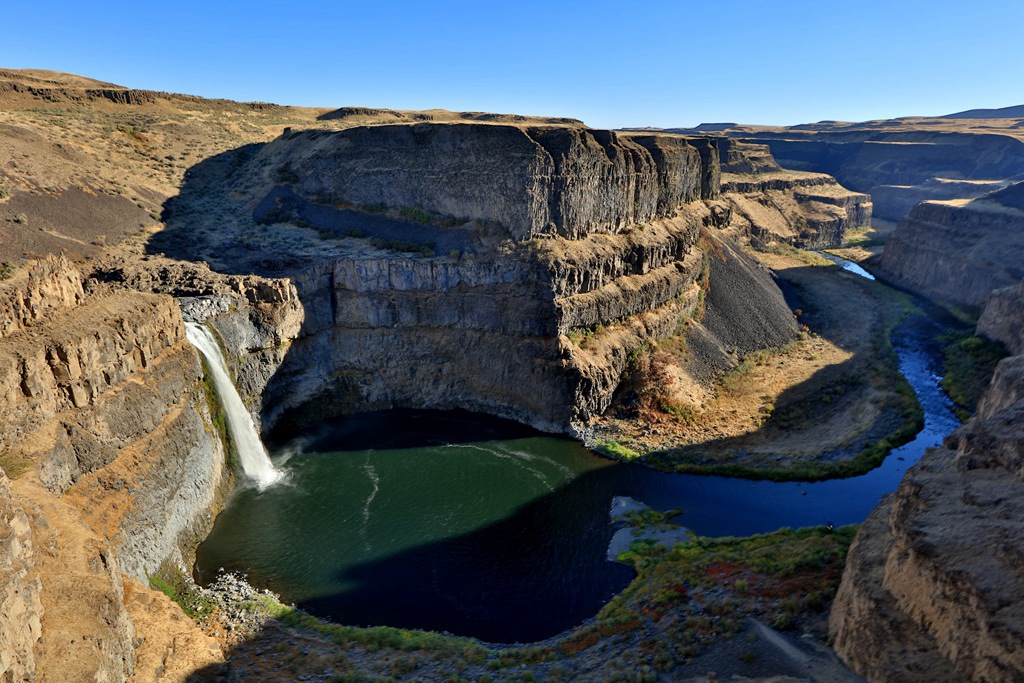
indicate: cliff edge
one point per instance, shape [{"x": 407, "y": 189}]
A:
[
  {"x": 109, "y": 468},
  {"x": 959, "y": 251},
  {"x": 931, "y": 587}
]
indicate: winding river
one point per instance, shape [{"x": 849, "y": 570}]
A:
[{"x": 474, "y": 526}]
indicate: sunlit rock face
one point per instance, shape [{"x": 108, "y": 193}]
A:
[
  {"x": 538, "y": 236},
  {"x": 959, "y": 251},
  {"x": 930, "y": 588}
]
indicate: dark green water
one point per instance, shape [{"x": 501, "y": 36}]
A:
[
  {"x": 459, "y": 523},
  {"x": 429, "y": 520}
]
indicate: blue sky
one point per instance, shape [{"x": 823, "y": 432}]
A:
[{"x": 609, "y": 63}]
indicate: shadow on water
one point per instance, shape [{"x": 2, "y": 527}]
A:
[
  {"x": 399, "y": 429},
  {"x": 524, "y": 578},
  {"x": 543, "y": 568}
]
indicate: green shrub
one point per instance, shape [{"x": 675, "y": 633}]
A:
[
  {"x": 426, "y": 248},
  {"x": 968, "y": 366},
  {"x": 411, "y": 213},
  {"x": 616, "y": 450},
  {"x": 170, "y": 581}
]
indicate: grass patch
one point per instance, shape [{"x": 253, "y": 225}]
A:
[
  {"x": 646, "y": 517},
  {"x": 13, "y": 465},
  {"x": 802, "y": 255},
  {"x": 614, "y": 449},
  {"x": 703, "y": 589},
  {"x": 285, "y": 174},
  {"x": 8, "y": 269},
  {"x": 415, "y": 215},
  {"x": 968, "y": 365},
  {"x": 582, "y": 336},
  {"x": 170, "y": 581},
  {"x": 740, "y": 381},
  {"x": 133, "y": 132},
  {"x": 378, "y": 637},
  {"x": 425, "y": 248}
]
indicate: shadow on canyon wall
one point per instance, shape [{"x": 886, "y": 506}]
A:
[
  {"x": 207, "y": 200},
  {"x": 222, "y": 217},
  {"x": 213, "y": 220}
]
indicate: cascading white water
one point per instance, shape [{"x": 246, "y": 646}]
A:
[{"x": 254, "y": 458}]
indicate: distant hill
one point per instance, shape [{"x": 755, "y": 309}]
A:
[{"x": 1004, "y": 113}]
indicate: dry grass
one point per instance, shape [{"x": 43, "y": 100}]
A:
[{"x": 781, "y": 408}]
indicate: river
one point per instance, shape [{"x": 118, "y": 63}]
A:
[{"x": 474, "y": 526}]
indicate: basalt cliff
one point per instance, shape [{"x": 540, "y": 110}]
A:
[
  {"x": 899, "y": 162},
  {"x": 931, "y": 584},
  {"x": 958, "y": 251},
  {"x": 115, "y": 466},
  {"x": 458, "y": 265},
  {"x": 453, "y": 263}
]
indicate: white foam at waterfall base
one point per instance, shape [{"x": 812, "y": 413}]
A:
[{"x": 252, "y": 454}]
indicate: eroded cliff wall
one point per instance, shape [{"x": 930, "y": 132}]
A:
[
  {"x": 1003, "y": 317},
  {"x": 959, "y": 251},
  {"x": 532, "y": 180},
  {"x": 933, "y": 578},
  {"x": 900, "y": 163},
  {"x": 115, "y": 466},
  {"x": 807, "y": 210},
  {"x": 547, "y": 235}
]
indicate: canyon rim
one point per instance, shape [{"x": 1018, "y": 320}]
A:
[{"x": 650, "y": 293}]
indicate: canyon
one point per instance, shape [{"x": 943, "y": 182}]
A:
[{"x": 355, "y": 260}]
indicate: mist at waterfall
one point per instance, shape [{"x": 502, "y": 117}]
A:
[{"x": 252, "y": 454}]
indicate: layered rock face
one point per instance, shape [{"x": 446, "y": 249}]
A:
[
  {"x": 533, "y": 181},
  {"x": 807, "y": 210},
  {"x": 898, "y": 165},
  {"x": 255, "y": 317},
  {"x": 114, "y": 465},
  {"x": 20, "y": 589},
  {"x": 559, "y": 234},
  {"x": 959, "y": 251},
  {"x": 899, "y": 162},
  {"x": 1003, "y": 317},
  {"x": 932, "y": 585}
]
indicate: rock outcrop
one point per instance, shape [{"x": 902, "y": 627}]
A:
[
  {"x": 806, "y": 210},
  {"x": 35, "y": 293},
  {"x": 933, "y": 578},
  {"x": 1003, "y": 317},
  {"x": 20, "y": 588},
  {"x": 533, "y": 181},
  {"x": 548, "y": 236},
  {"x": 899, "y": 162},
  {"x": 959, "y": 251},
  {"x": 110, "y": 465}
]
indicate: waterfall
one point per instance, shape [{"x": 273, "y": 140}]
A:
[{"x": 251, "y": 452}]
